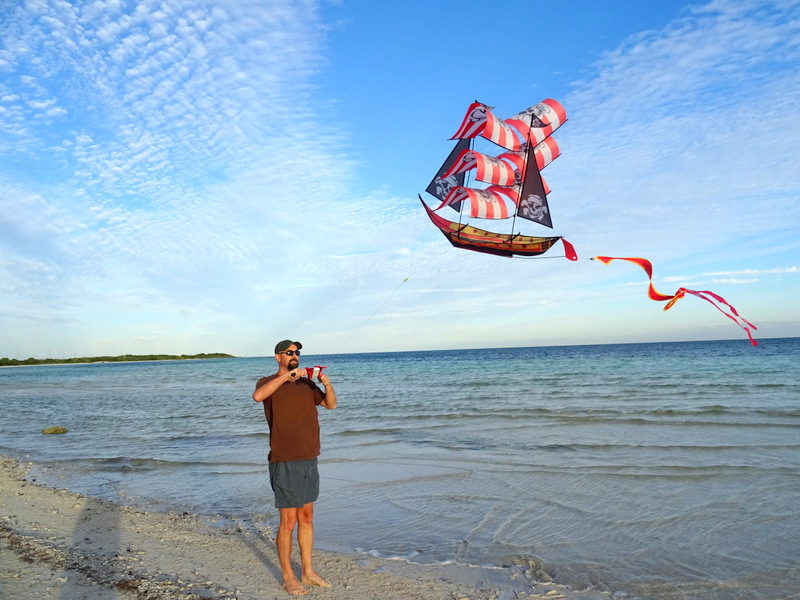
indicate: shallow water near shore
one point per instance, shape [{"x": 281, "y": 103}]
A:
[{"x": 665, "y": 470}]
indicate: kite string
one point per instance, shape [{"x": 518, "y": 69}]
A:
[
  {"x": 389, "y": 297},
  {"x": 357, "y": 331}
]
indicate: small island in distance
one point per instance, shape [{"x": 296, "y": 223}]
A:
[{"x": 13, "y": 362}]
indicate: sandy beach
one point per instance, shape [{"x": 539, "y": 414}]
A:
[{"x": 55, "y": 544}]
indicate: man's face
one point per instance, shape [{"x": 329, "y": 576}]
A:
[
  {"x": 294, "y": 361},
  {"x": 291, "y": 361}
]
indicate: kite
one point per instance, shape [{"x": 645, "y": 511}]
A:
[
  {"x": 515, "y": 189},
  {"x": 515, "y": 186},
  {"x": 716, "y": 301}
]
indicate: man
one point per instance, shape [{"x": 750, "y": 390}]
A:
[{"x": 290, "y": 405}]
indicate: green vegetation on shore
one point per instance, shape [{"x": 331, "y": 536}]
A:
[{"x": 13, "y": 362}]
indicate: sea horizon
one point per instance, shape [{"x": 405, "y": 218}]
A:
[{"x": 477, "y": 348}]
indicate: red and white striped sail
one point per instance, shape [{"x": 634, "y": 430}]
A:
[
  {"x": 473, "y": 123},
  {"x": 504, "y": 172},
  {"x": 494, "y": 202},
  {"x": 539, "y": 121},
  {"x": 546, "y": 152},
  {"x": 462, "y": 163},
  {"x": 480, "y": 120},
  {"x": 454, "y": 197},
  {"x": 493, "y": 170},
  {"x": 487, "y": 204},
  {"x": 501, "y": 133},
  {"x": 512, "y": 193},
  {"x": 517, "y": 159},
  {"x": 489, "y": 169},
  {"x": 504, "y": 169}
]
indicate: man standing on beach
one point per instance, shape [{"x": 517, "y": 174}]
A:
[{"x": 290, "y": 405}]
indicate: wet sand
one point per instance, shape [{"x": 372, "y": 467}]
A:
[{"x": 55, "y": 544}]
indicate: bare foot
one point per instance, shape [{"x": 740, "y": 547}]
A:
[
  {"x": 314, "y": 579},
  {"x": 293, "y": 587}
]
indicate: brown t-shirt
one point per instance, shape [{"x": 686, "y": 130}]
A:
[{"x": 291, "y": 413}]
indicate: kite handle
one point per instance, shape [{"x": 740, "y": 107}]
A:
[{"x": 314, "y": 371}]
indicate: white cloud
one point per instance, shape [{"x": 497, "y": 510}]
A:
[
  {"x": 741, "y": 272},
  {"x": 186, "y": 181}
]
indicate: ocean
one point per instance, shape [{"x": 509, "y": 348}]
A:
[{"x": 666, "y": 470}]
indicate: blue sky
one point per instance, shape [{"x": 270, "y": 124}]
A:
[{"x": 190, "y": 176}]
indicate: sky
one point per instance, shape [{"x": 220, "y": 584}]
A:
[{"x": 188, "y": 176}]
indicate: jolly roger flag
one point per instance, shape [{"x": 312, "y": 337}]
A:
[
  {"x": 532, "y": 198},
  {"x": 441, "y": 187}
]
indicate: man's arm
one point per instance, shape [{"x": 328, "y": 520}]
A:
[
  {"x": 330, "y": 394},
  {"x": 269, "y": 388}
]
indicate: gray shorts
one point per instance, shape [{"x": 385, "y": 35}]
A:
[{"x": 295, "y": 483}]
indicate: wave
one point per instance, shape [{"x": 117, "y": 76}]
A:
[
  {"x": 701, "y": 416},
  {"x": 139, "y": 464}
]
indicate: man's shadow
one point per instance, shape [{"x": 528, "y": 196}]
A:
[
  {"x": 263, "y": 547},
  {"x": 97, "y": 537}
]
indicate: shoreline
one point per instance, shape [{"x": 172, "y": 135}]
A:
[
  {"x": 106, "y": 360},
  {"x": 59, "y": 544}
]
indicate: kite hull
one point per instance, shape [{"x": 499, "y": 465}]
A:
[{"x": 479, "y": 240}]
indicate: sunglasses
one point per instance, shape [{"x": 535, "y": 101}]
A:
[{"x": 291, "y": 352}]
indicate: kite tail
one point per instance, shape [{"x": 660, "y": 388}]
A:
[
  {"x": 731, "y": 313},
  {"x": 715, "y": 300}
]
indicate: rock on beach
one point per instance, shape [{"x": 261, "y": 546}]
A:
[{"x": 54, "y": 430}]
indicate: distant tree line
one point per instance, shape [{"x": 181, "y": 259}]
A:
[{"x": 12, "y": 362}]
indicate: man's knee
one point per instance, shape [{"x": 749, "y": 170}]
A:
[
  {"x": 289, "y": 517},
  {"x": 305, "y": 514}
]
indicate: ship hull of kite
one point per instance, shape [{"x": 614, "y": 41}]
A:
[{"x": 479, "y": 240}]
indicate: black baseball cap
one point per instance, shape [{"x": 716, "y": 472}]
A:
[{"x": 283, "y": 345}]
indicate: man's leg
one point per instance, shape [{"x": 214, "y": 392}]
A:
[
  {"x": 289, "y": 518},
  {"x": 305, "y": 539}
]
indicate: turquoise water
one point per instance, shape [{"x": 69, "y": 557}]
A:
[{"x": 666, "y": 470}]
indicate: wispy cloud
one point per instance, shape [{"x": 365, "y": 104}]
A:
[
  {"x": 172, "y": 173},
  {"x": 687, "y": 133},
  {"x": 741, "y": 272}
]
